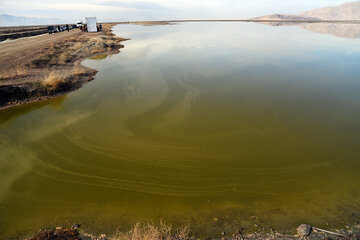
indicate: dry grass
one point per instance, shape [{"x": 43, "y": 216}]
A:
[
  {"x": 77, "y": 46},
  {"x": 43, "y": 60},
  {"x": 53, "y": 81},
  {"x": 18, "y": 72},
  {"x": 67, "y": 51},
  {"x": 151, "y": 232},
  {"x": 55, "y": 46},
  {"x": 79, "y": 71},
  {"x": 62, "y": 55},
  {"x": 72, "y": 39},
  {"x": 65, "y": 58}
]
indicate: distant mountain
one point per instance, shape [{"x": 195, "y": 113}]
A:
[
  {"x": 346, "y": 11},
  {"x": 284, "y": 17},
  {"x": 9, "y": 20}
]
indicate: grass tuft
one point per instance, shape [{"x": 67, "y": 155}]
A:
[
  {"x": 65, "y": 57},
  {"x": 53, "y": 81},
  {"x": 150, "y": 232},
  {"x": 79, "y": 71}
]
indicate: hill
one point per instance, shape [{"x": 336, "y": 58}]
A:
[
  {"x": 9, "y": 20},
  {"x": 346, "y": 11}
]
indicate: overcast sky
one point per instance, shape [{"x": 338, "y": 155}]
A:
[{"x": 120, "y": 10}]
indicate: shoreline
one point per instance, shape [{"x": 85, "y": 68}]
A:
[
  {"x": 164, "y": 231},
  {"x": 54, "y": 68}
]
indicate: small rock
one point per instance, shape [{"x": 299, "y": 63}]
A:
[
  {"x": 75, "y": 226},
  {"x": 304, "y": 229}
]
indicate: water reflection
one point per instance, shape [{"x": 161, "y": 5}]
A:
[
  {"x": 335, "y": 29},
  {"x": 8, "y": 115},
  {"x": 338, "y": 30}
]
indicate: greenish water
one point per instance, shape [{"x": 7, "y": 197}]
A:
[{"x": 216, "y": 125}]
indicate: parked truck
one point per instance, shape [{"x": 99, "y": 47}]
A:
[{"x": 79, "y": 24}]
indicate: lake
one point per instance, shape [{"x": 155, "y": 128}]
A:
[{"x": 219, "y": 126}]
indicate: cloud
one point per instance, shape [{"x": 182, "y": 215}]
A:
[{"x": 135, "y": 5}]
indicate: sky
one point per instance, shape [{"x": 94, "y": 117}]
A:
[{"x": 129, "y": 10}]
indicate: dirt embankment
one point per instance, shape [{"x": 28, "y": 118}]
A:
[
  {"x": 19, "y": 32},
  {"x": 46, "y": 66},
  {"x": 167, "y": 232}
]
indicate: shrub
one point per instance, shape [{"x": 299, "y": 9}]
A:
[
  {"x": 151, "y": 232},
  {"x": 53, "y": 81}
]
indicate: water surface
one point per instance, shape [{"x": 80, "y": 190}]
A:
[{"x": 216, "y": 125}]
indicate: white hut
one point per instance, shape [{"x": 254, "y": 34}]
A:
[{"x": 91, "y": 24}]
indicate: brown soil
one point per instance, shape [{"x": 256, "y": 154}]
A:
[
  {"x": 61, "y": 234},
  {"x": 167, "y": 232},
  {"x": 46, "y": 66}
]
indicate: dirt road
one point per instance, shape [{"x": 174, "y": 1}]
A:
[{"x": 17, "y": 53}]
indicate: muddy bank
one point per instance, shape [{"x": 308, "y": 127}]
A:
[
  {"x": 49, "y": 65},
  {"x": 167, "y": 232}
]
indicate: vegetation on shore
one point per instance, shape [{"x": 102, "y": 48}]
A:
[
  {"x": 56, "y": 69},
  {"x": 164, "y": 231}
]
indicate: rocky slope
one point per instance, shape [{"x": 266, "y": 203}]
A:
[{"x": 346, "y": 11}]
